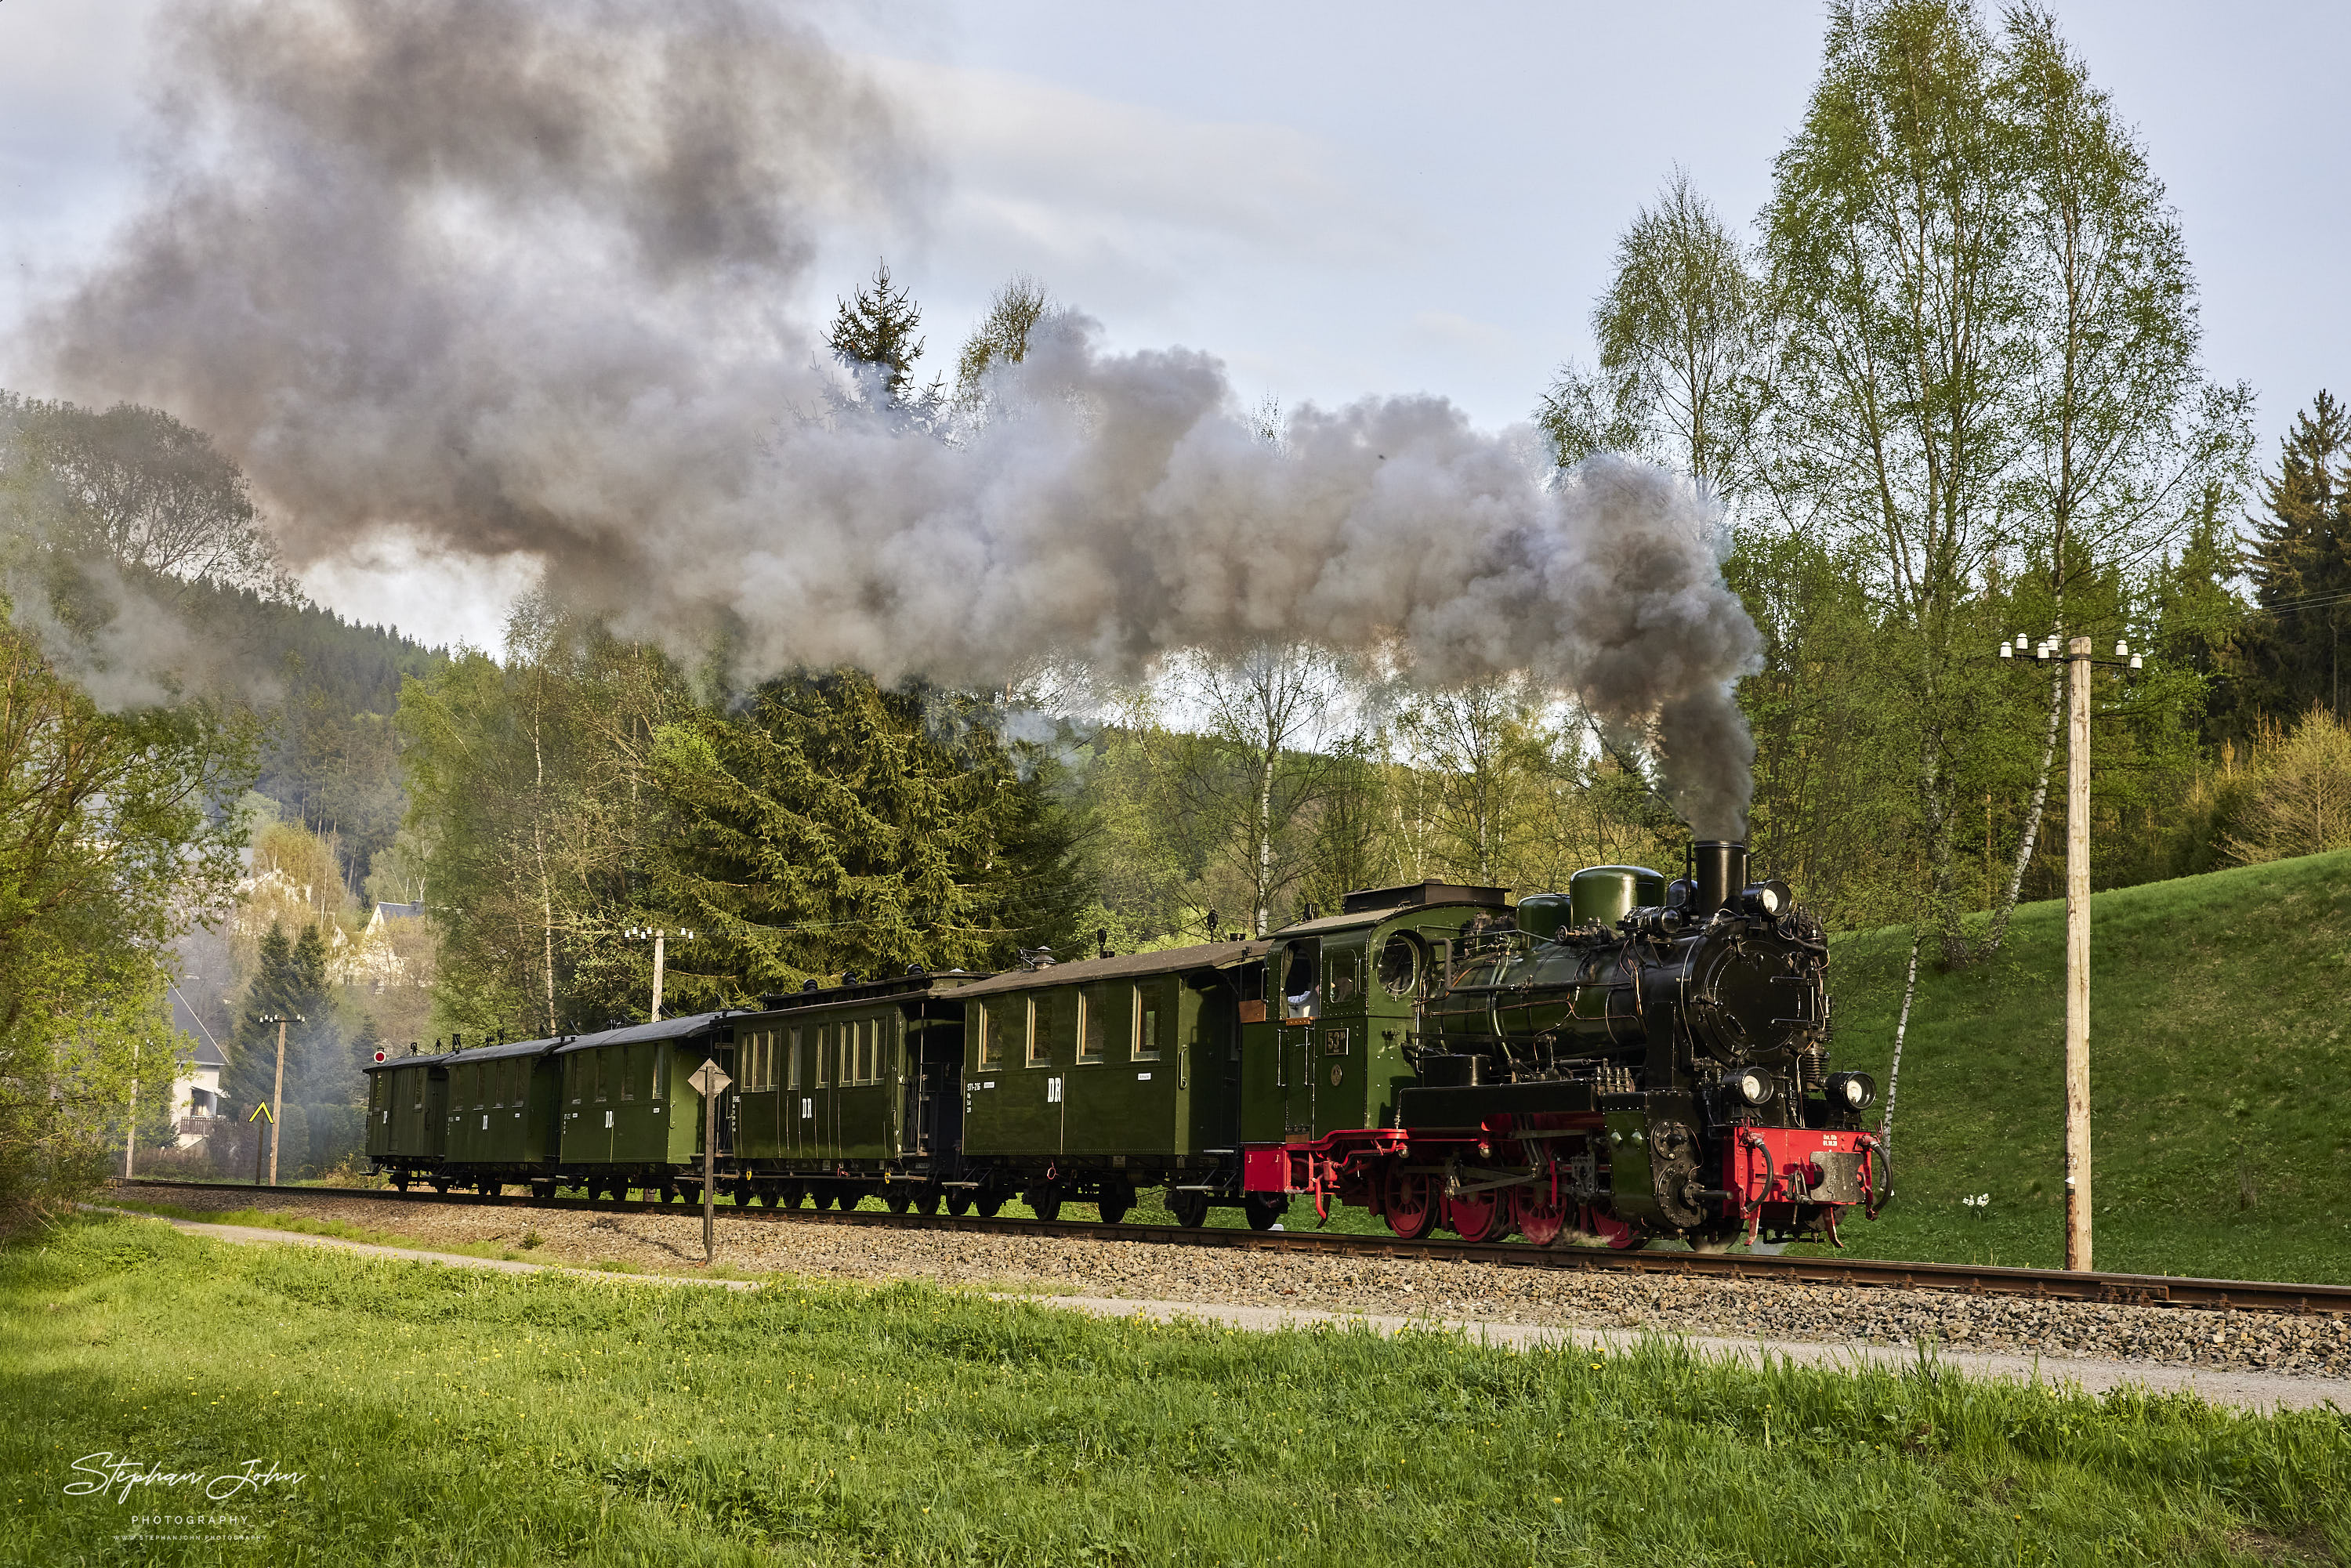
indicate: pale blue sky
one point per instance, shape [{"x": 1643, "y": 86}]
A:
[{"x": 1351, "y": 198}]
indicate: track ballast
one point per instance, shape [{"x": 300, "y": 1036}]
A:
[{"x": 2039, "y": 1284}]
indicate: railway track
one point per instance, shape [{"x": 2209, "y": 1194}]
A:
[{"x": 2038, "y": 1284}]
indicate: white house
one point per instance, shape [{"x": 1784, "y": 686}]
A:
[{"x": 195, "y": 1094}]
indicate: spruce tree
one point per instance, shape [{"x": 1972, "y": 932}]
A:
[
  {"x": 290, "y": 981},
  {"x": 2297, "y": 649},
  {"x": 876, "y": 330},
  {"x": 836, "y": 827}
]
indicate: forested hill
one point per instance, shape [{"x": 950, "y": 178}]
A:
[{"x": 333, "y": 760}]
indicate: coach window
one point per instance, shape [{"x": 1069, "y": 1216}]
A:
[
  {"x": 792, "y": 1056},
  {"x": 1146, "y": 1023},
  {"x": 628, "y": 1073},
  {"x": 1040, "y": 1044},
  {"x": 661, "y": 1070},
  {"x": 419, "y": 1077},
  {"x": 1092, "y": 1025},
  {"x": 823, "y": 1048},
  {"x": 991, "y": 1038}
]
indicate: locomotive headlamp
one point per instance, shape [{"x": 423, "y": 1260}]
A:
[
  {"x": 1854, "y": 1091},
  {"x": 1753, "y": 1087},
  {"x": 1766, "y": 898}
]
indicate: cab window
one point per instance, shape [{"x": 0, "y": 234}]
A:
[
  {"x": 1301, "y": 978},
  {"x": 1345, "y": 983}
]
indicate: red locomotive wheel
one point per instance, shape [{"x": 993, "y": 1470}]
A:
[
  {"x": 1539, "y": 1218},
  {"x": 1411, "y": 1204},
  {"x": 1614, "y": 1232},
  {"x": 1477, "y": 1216}
]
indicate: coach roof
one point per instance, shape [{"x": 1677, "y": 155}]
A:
[
  {"x": 681, "y": 1027},
  {"x": 1124, "y": 967}
]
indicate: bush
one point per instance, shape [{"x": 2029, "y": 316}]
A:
[{"x": 2297, "y": 798}]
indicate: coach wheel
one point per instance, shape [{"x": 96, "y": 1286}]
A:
[
  {"x": 789, "y": 1194},
  {"x": 1411, "y": 1204},
  {"x": 1045, "y": 1203},
  {"x": 490, "y": 1188},
  {"x": 399, "y": 1181},
  {"x": 959, "y": 1204},
  {"x": 1265, "y": 1209},
  {"x": 441, "y": 1185},
  {"x": 925, "y": 1200},
  {"x": 989, "y": 1204},
  {"x": 542, "y": 1190},
  {"x": 1115, "y": 1210},
  {"x": 768, "y": 1196},
  {"x": 743, "y": 1194},
  {"x": 897, "y": 1200},
  {"x": 1190, "y": 1209}
]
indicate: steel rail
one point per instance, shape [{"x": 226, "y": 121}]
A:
[{"x": 1967, "y": 1279}]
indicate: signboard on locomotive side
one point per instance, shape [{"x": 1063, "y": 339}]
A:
[{"x": 1632, "y": 1060}]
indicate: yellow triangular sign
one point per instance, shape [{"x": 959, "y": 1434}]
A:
[{"x": 263, "y": 1110}]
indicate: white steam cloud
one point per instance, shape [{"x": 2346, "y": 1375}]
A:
[{"x": 508, "y": 276}]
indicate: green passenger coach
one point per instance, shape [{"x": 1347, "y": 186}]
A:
[
  {"x": 629, "y": 1117},
  {"x": 407, "y": 1098},
  {"x": 1089, "y": 1079}
]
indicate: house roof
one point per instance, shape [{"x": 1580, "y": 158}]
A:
[
  {"x": 1125, "y": 966},
  {"x": 184, "y": 1018}
]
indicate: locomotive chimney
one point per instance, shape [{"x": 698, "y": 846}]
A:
[{"x": 1719, "y": 868}]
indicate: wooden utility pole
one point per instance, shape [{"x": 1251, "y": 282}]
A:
[
  {"x": 278, "y": 1089},
  {"x": 2079, "y": 662},
  {"x": 661, "y": 939},
  {"x": 2077, "y": 963}
]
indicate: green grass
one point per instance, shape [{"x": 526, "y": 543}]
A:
[
  {"x": 444, "y": 1416},
  {"x": 2221, "y": 1081}
]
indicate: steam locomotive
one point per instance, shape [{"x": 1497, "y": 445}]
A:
[{"x": 1632, "y": 1060}]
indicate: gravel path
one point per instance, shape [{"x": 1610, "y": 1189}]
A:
[{"x": 1078, "y": 1266}]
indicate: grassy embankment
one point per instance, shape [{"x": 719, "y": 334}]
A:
[
  {"x": 444, "y": 1416},
  {"x": 2220, "y": 1072}
]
